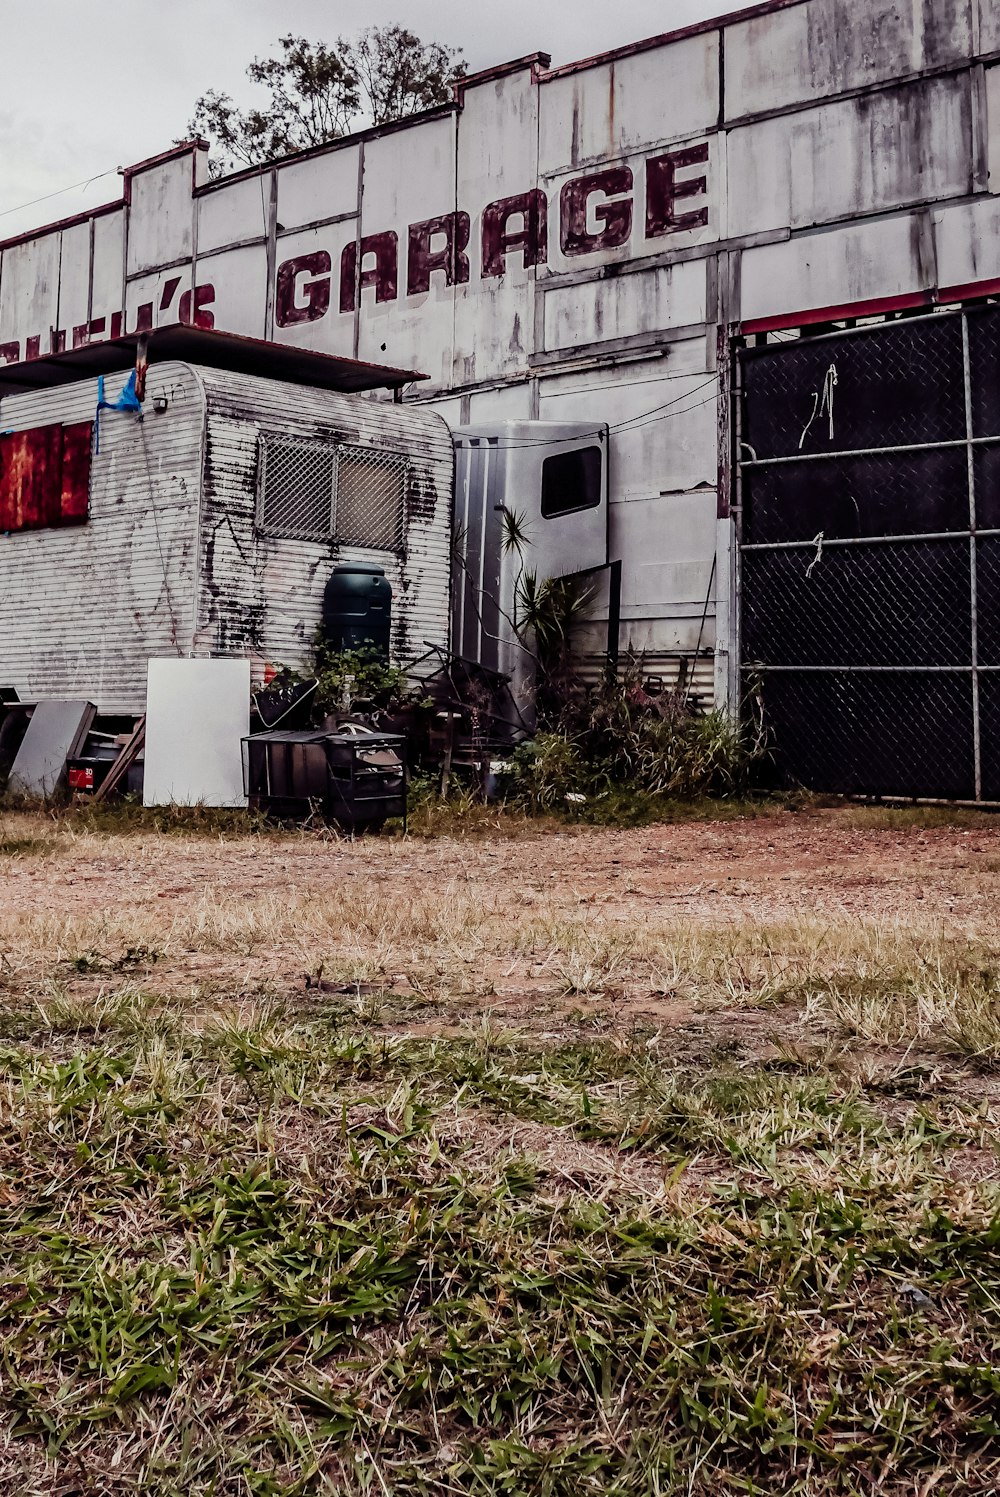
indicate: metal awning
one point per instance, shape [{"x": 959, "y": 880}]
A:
[{"x": 215, "y": 350}]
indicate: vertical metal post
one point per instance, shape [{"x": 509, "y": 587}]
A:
[
  {"x": 728, "y": 647},
  {"x": 973, "y": 556},
  {"x": 614, "y": 618}
]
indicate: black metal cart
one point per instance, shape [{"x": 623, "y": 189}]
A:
[{"x": 357, "y": 779}]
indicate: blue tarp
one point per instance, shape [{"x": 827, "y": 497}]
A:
[{"x": 128, "y": 400}]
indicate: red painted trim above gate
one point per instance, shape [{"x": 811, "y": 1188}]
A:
[
  {"x": 910, "y": 301},
  {"x": 786, "y": 320}
]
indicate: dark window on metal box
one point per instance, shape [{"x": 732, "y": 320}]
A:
[
  {"x": 571, "y": 481},
  {"x": 45, "y": 477},
  {"x": 324, "y": 492}
]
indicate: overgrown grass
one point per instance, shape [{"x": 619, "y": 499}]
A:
[
  {"x": 290, "y": 1203},
  {"x": 276, "y": 1257}
]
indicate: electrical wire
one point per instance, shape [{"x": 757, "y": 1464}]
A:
[
  {"x": 87, "y": 182},
  {"x": 633, "y": 423}
]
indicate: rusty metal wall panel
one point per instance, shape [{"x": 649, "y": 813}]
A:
[
  {"x": 320, "y": 187},
  {"x": 414, "y": 328},
  {"x": 262, "y": 595},
  {"x": 108, "y": 281},
  {"x": 307, "y": 290},
  {"x": 29, "y": 289},
  {"x": 966, "y": 238},
  {"x": 989, "y": 26},
  {"x": 232, "y": 213},
  {"x": 626, "y": 306},
  {"x": 993, "y": 126},
  {"x": 155, "y": 299},
  {"x": 842, "y": 160},
  {"x": 497, "y": 158},
  {"x": 861, "y": 262},
  {"x": 832, "y": 46},
  {"x": 161, "y": 216},
  {"x": 83, "y": 608},
  {"x": 622, "y": 107},
  {"x": 74, "y": 283},
  {"x": 237, "y": 282}
]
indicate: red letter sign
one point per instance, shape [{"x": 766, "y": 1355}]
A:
[
  {"x": 532, "y": 237},
  {"x": 663, "y": 191},
  {"x": 422, "y": 261},
  {"x": 615, "y": 219},
  {"x": 381, "y": 275},
  {"x": 288, "y": 310}
]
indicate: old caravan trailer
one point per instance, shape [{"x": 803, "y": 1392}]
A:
[{"x": 207, "y": 517}]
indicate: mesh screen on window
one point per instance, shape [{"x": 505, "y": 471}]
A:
[
  {"x": 296, "y": 489},
  {"x": 571, "y": 481},
  {"x": 371, "y": 489},
  {"x": 318, "y": 491}
]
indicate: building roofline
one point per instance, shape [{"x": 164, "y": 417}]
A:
[
  {"x": 537, "y": 62},
  {"x": 182, "y": 148},
  {"x": 57, "y": 227},
  {"x": 665, "y": 38},
  {"x": 370, "y": 132}
]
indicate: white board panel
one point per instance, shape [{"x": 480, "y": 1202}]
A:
[
  {"x": 161, "y": 215},
  {"x": 320, "y": 187},
  {"x": 967, "y": 238},
  {"x": 815, "y": 50},
  {"x": 197, "y": 713}
]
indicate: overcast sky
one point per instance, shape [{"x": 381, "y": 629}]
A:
[{"x": 88, "y": 88}]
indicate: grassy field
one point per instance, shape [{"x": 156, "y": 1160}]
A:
[{"x": 649, "y": 1162}]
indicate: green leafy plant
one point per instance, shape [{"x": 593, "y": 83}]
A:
[{"x": 363, "y": 673}]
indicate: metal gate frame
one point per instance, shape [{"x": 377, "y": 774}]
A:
[{"x": 746, "y": 461}]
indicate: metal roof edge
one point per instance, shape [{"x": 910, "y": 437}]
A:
[
  {"x": 211, "y": 349},
  {"x": 666, "y": 38},
  {"x": 536, "y": 61},
  {"x": 370, "y": 132}
]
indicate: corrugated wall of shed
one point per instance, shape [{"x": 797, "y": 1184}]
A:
[
  {"x": 83, "y": 608},
  {"x": 263, "y": 596}
]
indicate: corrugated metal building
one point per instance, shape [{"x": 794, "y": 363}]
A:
[
  {"x": 595, "y": 243},
  {"x": 187, "y": 551}
]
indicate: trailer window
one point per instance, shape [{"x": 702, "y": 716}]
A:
[
  {"x": 330, "y": 492},
  {"x": 370, "y": 493},
  {"x": 295, "y": 490},
  {"x": 571, "y": 481},
  {"x": 45, "y": 476}
]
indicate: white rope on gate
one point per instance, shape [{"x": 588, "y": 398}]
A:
[
  {"x": 818, "y": 543},
  {"x": 822, "y": 404}
]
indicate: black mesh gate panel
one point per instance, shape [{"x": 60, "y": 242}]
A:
[{"x": 870, "y": 555}]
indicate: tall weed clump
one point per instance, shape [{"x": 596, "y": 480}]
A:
[{"x": 617, "y": 736}]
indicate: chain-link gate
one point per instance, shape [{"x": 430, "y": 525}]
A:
[
  {"x": 869, "y": 492},
  {"x": 323, "y": 491}
]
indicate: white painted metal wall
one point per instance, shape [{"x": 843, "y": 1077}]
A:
[
  {"x": 835, "y": 153},
  {"x": 264, "y": 595},
  {"x": 82, "y": 609},
  {"x": 170, "y": 562}
]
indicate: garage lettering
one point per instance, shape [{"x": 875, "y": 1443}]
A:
[{"x": 595, "y": 212}]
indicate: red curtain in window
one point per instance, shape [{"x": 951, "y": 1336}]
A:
[
  {"x": 74, "y": 500},
  {"x": 45, "y": 476}
]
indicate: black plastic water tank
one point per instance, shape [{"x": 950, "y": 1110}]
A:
[{"x": 357, "y": 608}]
